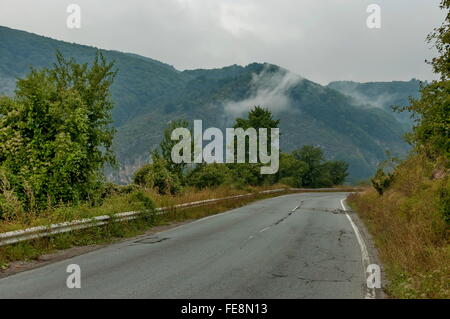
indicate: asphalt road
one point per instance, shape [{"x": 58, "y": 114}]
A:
[{"x": 293, "y": 246}]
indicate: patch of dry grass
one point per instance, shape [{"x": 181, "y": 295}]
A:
[
  {"x": 120, "y": 203},
  {"x": 410, "y": 230}
]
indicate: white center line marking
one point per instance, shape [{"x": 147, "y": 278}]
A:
[{"x": 264, "y": 229}]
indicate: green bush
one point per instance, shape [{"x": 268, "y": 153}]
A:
[
  {"x": 444, "y": 201},
  {"x": 381, "y": 181},
  {"x": 209, "y": 175},
  {"x": 111, "y": 189},
  {"x": 158, "y": 176},
  {"x": 291, "y": 170},
  {"x": 55, "y": 133},
  {"x": 10, "y": 205},
  {"x": 290, "y": 181},
  {"x": 248, "y": 174},
  {"x": 148, "y": 210}
]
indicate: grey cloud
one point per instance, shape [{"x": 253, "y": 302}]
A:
[
  {"x": 269, "y": 91},
  {"x": 321, "y": 40}
]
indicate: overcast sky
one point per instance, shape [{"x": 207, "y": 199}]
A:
[{"x": 322, "y": 40}]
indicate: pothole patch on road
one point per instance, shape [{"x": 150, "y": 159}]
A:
[
  {"x": 279, "y": 275},
  {"x": 289, "y": 214},
  {"x": 150, "y": 240},
  {"x": 326, "y": 210},
  {"x": 312, "y": 280}
]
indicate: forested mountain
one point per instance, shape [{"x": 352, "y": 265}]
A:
[
  {"x": 148, "y": 94},
  {"x": 383, "y": 95}
]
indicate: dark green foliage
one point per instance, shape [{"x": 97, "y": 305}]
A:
[
  {"x": 307, "y": 167},
  {"x": 249, "y": 173},
  {"x": 383, "y": 95},
  {"x": 313, "y": 157},
  {"x": 163, "y": 174},
  {"x": 209, "y": 175},
  {"x": 338, "y": 171},
  {"x": 140, "y": 176},
  {"x": 158, "y": 176},
  {"x": 318, "y": 172},
  {"x": 444, "y": 197},
  {"x": 148, "y": 210},
  {"x": 167, "y": 144},
  {"x": 291, "y": 171},
  {"x": 148, "y": 94},
  {"x": 111, "y": 189},
  {"x": 431, "y": 132},
  {"x": 55, "y": 135},
  {"x": 258, "y": 117}
]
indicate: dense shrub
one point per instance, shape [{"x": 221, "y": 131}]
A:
[
  {"x": 248, "y": 174},
  {"x": 209, "y": 175},
  {"x": 111, "y": 189},
  {"x": 148, "y": 210},
  {"x": 158, "y": 176},
  {"x": 290, "y": 181},
  {"x": 55, "y": 135},
  {"x": 381, "y": 181},
  {"x": 305, "y": 167},
  {"x": 317, "y": 172},
  {"x": 291, "y": 171}
]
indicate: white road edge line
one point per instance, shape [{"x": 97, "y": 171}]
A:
[{"x": 370, "y": 292}]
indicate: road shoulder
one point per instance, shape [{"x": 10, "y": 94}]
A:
[{"x": 371, "y": 249}]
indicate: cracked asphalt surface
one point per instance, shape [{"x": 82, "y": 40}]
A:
[{"x": 292, "y": 246}]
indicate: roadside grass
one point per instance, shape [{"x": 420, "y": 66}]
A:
[
  {"x": 408, "y": 225},
  {"x": 113, "y": 231},
  {"x": 118, "y": 203}
]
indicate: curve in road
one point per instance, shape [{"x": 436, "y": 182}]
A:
[{"x": 292, "y": 246}]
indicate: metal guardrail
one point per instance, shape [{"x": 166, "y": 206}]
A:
[{"x": 53, "y": 229}]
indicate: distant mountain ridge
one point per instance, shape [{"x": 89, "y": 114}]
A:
[
  {"x": 384, "y": 95},
  {"x": 148, "y": 94}
]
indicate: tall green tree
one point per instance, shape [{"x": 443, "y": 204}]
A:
[
  {"x": 291, "y": 170},
  {"x": 158, "y": 176},
  {"x": 337, "y": 171},
  {"x": 258, "y": 117},
  {"x": 314, "y": 158},
  {"x": 55, "y": 133},
  {"x": 431, "y": 133},
  {"x": 318, "y": 172},
  {"x": 167, "y": 144}
]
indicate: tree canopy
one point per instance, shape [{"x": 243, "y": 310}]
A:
[
  {"x": 55, "y": 133},
  {"x": 431, "y": 133}
]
